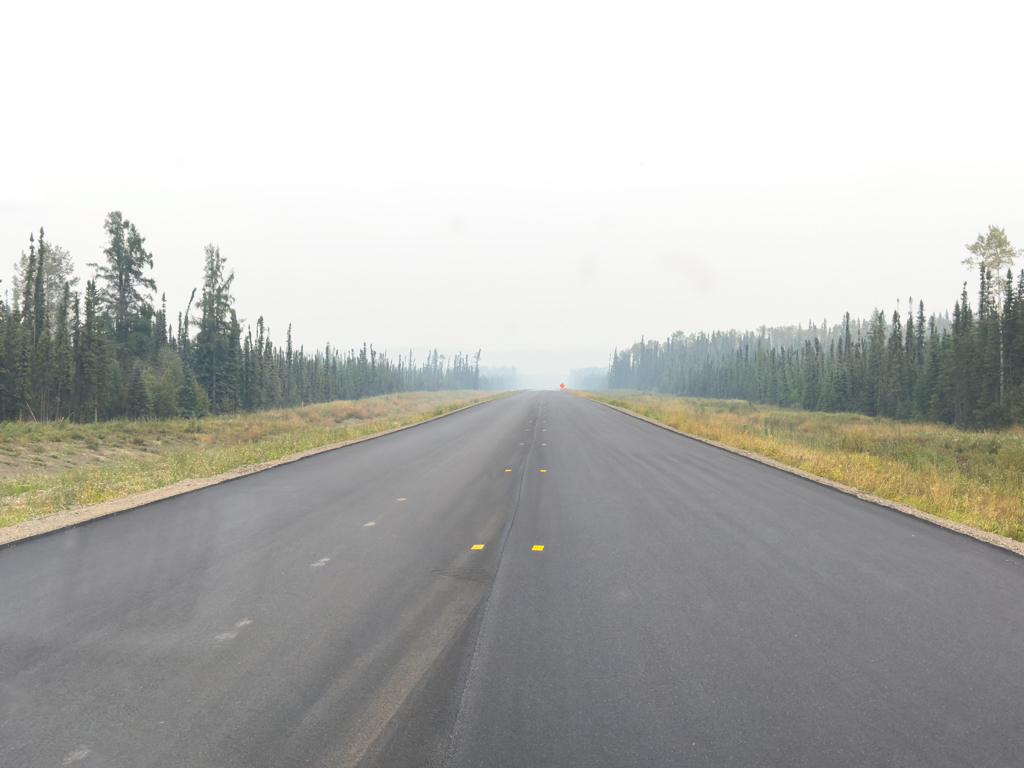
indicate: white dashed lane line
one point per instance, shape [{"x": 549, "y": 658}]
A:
[
  {"x": 232, "y": 635},
  {"x": 75, "y": 756}
]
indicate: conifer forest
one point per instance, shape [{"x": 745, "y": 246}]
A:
[
  {"x": 966, "y": 370},
  {"x": 108, "y": 351}
]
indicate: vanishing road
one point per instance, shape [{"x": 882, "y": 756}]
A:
[{"x": 535, "y": 581}]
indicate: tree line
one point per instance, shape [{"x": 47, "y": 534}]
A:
[
  {"x": 967, "y": 370},
  {"x": 110, "y": 352},
  {"x": 499, "y": 378}
]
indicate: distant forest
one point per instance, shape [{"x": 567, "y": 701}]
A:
[
  {"x": 110, "y": 352},
  {"x": 499, "y": 378},
  {"x": 967, "y": 370}
]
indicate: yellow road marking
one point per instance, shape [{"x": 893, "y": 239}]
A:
[
  {"x": 508, "y": 470},
  {"x": 543, "y": 443},
  {"x": 538, "y": 547},
  {"x": 520, "y": 443},
  {"x": 477, "y": 546},
  {"x": 543, "y": 470}
]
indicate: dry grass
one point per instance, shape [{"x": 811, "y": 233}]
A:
[
  {"x": 96, "y": 462},
  {"x": 976, "y": 478}
]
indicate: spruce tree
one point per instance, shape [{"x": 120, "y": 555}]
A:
[
  {"x": 74, "y": 401},
  {"x": 212, "y": 355},
  {"x": 1014, "y": 350},
  {"x": 160, "y": 336},
  {"x": 986, "y": 349},
  {"x": 41, "y": 351},
  {"x": 140, "y": 403},
  {"x": 877, "y": 369},
  {"x": 59, "y": 269},
  {"x": 962, "y": 363},
  {"x": 91, "y": 365},
  {"x": 63, "y": 364},
  {"x": 187, "y": 402},
  {"x": 125, "y": 289},
  {"x": 926, "y": 382},
  {"x": 943, "y": 403},
  {"x": 289, "y": 378},
  {"x": 896, "y": 405}
]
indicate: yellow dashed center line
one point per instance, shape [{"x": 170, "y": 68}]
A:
[
  {"x": 477, "y": 546},
  {"x": 508, "y": 470},
  {"x": 538, "y": 547},
  {"x": 543, "y": 470}
]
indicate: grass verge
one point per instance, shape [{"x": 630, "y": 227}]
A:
[
  {"x": 129, "y": 457},
  {"x": 974, "y": 478}
]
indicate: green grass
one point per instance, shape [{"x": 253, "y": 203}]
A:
[
  {"x": 976, "y": 478},
  {"x": 167, "y": 451}
]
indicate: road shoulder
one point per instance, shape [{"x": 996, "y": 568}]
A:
[
  {"x": 994, "y": 539},
  {"x": 42, "y": 526}
]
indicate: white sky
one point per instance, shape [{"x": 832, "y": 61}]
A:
[{"x": 524, "y": 176}]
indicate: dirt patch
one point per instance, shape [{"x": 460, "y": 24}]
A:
[{"x": 54, "y": 458}]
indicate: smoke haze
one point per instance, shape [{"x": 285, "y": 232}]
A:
[{"x": 544, "y": 176}]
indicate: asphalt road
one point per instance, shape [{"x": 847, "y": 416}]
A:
[{"x": 689, "y": 607}]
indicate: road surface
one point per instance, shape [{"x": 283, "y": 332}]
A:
[{"x": 639, "y": 599}]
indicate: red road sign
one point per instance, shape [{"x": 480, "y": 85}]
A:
[{"x": 561, "y": 386}]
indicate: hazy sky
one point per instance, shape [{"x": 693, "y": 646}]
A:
[{"x": 529, "y": 175}]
